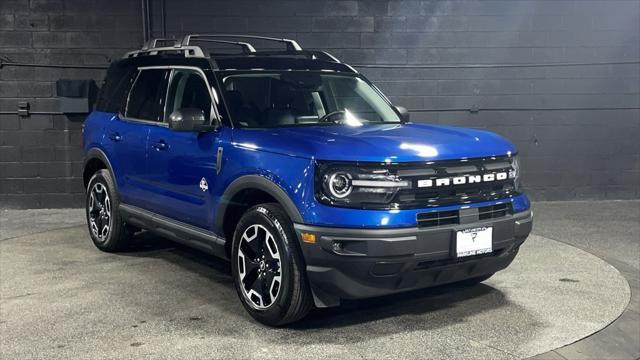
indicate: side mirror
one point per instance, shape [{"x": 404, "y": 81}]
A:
[
  {"x": 186, "y": 119},
  {"x": 404, "y": 113}
]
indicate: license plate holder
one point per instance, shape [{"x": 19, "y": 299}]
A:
[{"x": 474, "y": 241}]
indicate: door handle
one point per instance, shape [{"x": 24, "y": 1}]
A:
[
  {"x": 160, "y": 145},
  {"x": 115, "y": 137}
]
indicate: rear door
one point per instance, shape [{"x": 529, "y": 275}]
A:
[
  {"x": 129, "y": 134},
  {"x": 181, "y": 166}
]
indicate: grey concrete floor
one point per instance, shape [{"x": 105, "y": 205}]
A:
[
  {"x": 610, "y": 230},
  {"x": 15, "y": 223},
  {"x": 607, "y": 228},
  {"x": 61, "y": 298}
]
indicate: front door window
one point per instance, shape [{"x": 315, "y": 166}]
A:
[{"x": 188, "y": 90}]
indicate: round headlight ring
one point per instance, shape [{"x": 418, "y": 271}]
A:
[{"x": 339, "y": 185}]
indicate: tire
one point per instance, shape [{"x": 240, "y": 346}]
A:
[
  {"x": 474, "y": 281},
  {"x": 269, "y": 276},
  {"x": 107, "y": 230}
]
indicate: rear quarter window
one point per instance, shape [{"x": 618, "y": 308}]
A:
[{"x": 115, "y": 88}]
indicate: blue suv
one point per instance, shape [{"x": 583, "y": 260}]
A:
[{"x": 297, "y": 169}]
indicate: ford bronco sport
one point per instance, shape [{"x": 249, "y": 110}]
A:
[{"x": 297, "y": 169}]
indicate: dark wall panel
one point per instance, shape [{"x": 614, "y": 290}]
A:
[{"x": 576, "y": 126}]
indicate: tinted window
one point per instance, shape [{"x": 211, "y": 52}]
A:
[
  {"x": 188, "y": 90},
  {"x": 146, "y": 99},
  {"x": 114, "y": 90},
  {"x": 291, "y": 98}
]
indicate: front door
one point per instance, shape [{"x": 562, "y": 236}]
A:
[{"x": 182, "y": 165}]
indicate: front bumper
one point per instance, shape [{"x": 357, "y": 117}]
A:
[{"x": 375, "y": 262}]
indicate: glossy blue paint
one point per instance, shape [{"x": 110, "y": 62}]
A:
[
  {"x": 330, "y": 216},
  {"x": 124, "y": 143},
  {"x": 377, "y": 143},
  {"x": 176, "y": 164},
  {"x": 167, "y": 180}
]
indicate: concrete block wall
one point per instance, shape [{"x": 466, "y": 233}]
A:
[
  {"x": 40, "y": 155},
  {"x": 576, "y": 126}
]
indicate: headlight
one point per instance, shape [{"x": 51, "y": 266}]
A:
[
  {"x": 339, "y": 184},
  {"x": 514, "y": 173},
  {"x": 356, "y": 186}
]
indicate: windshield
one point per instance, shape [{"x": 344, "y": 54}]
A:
[{"x": 297, "y": 98}]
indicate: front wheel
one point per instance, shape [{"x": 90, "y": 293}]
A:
[
  {"x": 106, "y": 228},
  {"x": 268, "y": 269}
]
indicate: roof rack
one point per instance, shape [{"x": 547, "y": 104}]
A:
[
  {"x": 246, "y": 47},
  {"x": 184, "y": 46},
  {"x": 292, "y": 45},
  {"x": 189, "y": 51}
]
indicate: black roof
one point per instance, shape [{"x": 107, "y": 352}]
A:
[
  {"x": 255, "y": 61},
  {"x": 281, "y": 61},
  {"x": 164, "y": 60},
  {"x": 239, "y": 62}
]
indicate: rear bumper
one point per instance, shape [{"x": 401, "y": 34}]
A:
[{"x": 375, "y": 262}]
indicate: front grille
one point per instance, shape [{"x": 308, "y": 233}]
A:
[
  {"x": 428, "y": 184},
  {"x": 438, "y": 218},
  {"x": 452, "y": 217},
  {"x": 452, "y": 194},
  {"x": 493, "y": 211}
]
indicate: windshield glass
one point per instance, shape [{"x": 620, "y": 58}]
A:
[{"x": 297, "y": 98}]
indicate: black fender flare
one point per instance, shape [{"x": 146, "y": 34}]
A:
[
  {"x": 259, "y": 183},
  {"x": 96, "y": 153}
]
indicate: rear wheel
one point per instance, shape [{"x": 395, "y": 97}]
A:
[
  {"x": 267, "y": 267},
  {"x": 106, "y": 228}
]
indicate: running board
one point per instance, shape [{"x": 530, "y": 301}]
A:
[{"x": 186, "y": 234}]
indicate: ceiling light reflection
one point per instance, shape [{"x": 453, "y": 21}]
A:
[{"x": 420, "y": 149}]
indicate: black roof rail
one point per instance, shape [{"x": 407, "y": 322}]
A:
[
  {"x": 292, "y": 45},
  {"x": 309, "y": 54}
]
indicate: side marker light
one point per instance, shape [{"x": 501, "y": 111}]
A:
[{"x": 308, "y": 238}]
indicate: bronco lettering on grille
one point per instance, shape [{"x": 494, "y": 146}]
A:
[{"x": 461, "y": 180}]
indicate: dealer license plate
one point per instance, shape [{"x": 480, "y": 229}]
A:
[{"x": 474, "y": 241}]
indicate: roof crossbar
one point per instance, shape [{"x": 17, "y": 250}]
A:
[
  {"x": 189, "y": 51},
  {"x": 246, "y": 47},
  {"x": 292, "y": 45}
]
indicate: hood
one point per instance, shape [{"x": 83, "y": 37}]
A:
[{"x": 376, "y": 143}]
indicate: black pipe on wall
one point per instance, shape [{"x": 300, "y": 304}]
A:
[{"x": 146, "y": 20}]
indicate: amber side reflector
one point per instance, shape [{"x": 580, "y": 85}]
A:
[{"x": 308, "y": 238}]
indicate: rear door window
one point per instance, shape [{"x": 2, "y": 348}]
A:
[{"x": 147, "y": 96}]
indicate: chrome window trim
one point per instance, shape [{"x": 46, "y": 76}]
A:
[{"x": 143, "y": 121}]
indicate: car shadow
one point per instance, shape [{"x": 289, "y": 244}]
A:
[
  {"x": 148, "y": 244},
  {"x": 413, "y": 302},
  {"x": 457, "y": 301}
]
